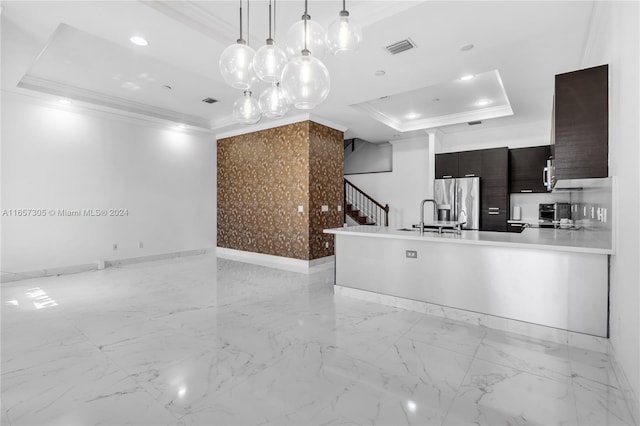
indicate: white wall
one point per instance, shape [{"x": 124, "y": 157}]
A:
[
  {"x": 367, "y": 158},
  {"x": 615, "y": 40},
  {"x": 62, "y": 158},
  {"x": 405, "y": 186},
  {"x": 512, "y": 136}
]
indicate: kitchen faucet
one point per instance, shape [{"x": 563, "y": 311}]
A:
[{"x": 435, "y": 213}]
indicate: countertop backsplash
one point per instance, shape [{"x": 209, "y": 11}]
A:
[
  {"x": 529, "y": 204},
  {"x": 591, "y": 208}
]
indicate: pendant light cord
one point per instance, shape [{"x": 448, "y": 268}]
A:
[
  {"x": 306, "y": 17},
  {"x": 240, "y": 21},
  {"x": 274, "y": 19},
  {"x": 248, "y": 26},
  {"x": 270, "y": 20}
]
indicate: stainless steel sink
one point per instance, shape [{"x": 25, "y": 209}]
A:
[{"x": 417, "y": 230}]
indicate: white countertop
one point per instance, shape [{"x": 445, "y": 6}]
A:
[{"x": 582, "y": 241}]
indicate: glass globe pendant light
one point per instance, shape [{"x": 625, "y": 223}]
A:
[
  {"x": 246, "y": 109},
  {"x": 344, "y": 33},
  {"x": 306, "y": 34},
  {"x": 273, "y": 101},
  {"x": 269, "y": 60},
  {"x": 236, "y": 62},
  {"x": 305, "y": 79}
]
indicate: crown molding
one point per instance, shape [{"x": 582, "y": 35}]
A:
[
  {"x": 44, "y": 100},
  {"x": 79, "y": 94},
  {"x": 443, "y": 120},
  {"x": 196, "y": 17},
  {"x": 296, "y": 118}
]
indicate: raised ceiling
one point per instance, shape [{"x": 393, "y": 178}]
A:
[
  {"x": 465, "y": 99},
  {"x": 81, "y": 50}
]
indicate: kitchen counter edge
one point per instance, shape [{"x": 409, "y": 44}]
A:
[{"x": 530, "y": 238}]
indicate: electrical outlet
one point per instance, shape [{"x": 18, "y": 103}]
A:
[
  {"x": 326, "y": 244},
  {"x": 412, "y": 254},
  {"x": 115, "y": 246},
  {"x": 339, "y": 208},
  {"x": 324, "y": 208},
  {"x": 300, "y": 209}
]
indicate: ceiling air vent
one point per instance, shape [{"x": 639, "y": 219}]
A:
[
  {"x": 400, "y": 46},
  {"x": 474, "y": 123},
  {"x": 210, "y": 100}
]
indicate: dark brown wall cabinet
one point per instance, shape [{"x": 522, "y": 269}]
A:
[
  {"x": 581, "y": 114},
  {"x": 492, "y": 167},
  {"x": 470, "y": 164},
  {"x": 526, "y": 167},
  {"x": 447, "y": 165}
]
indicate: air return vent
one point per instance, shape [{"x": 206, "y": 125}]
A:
[
  {"x": 210, "y": 100},
  {"x": 400, "y": 46}
]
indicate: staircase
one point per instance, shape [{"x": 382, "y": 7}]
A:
[{"x": 363, "y": 208}]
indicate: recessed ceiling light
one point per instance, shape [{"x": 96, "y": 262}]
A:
[
  {"x": 379, "y": 73},
  {"x": 64, "y": 102},
  {"x": 139, "y": 41},
  {"x": 467, "y": 77},
  {"x": 384, "y": 98},
  {"x": 181, "y": 126},
  {"x": 412, "y": 115},
  {"x": 483, "y": 102},
  {"x": 466, "y": 47}
]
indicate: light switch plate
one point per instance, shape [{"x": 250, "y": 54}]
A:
[
  {"x": 412, "y": 254},
  {"x": 325, "y": 208},
  {"x": 339, "y": 208},
  {"x": 300, "y": 209}
]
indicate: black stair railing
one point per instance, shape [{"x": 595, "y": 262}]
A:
[{"x": 362, "y": 207}]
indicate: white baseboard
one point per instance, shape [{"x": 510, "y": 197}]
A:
[
  {"x": 155, "y": 257},
  {"x": 277, "y": 262},
  {"x": 7, "y": 277}
]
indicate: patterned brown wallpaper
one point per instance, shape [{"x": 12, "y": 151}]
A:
[
  {"x": 262, "y": 179},
  {"x": 326, "y": 186}
]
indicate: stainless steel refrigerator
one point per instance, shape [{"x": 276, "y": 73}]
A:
[{"x": 459, "y": 199}]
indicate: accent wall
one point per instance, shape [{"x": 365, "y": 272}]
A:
[{"x": 266, "y": 177}]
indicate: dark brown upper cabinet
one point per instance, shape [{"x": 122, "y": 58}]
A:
[
  {"x": 526, "y": 169},
  {"x": 581, "y": 124},
  {"x": 447, "y": 165},
  {"x": 470, "y": 164}
]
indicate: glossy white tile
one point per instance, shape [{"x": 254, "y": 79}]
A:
[{"x": 204, "y": 341}]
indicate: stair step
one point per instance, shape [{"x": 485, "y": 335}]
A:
[{"x": 357, "y": 216}]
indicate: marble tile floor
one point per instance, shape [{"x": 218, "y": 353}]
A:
[{"x": 206, "y": 341}]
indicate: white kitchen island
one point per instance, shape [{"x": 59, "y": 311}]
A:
[{"x": 553, "y": 278}]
